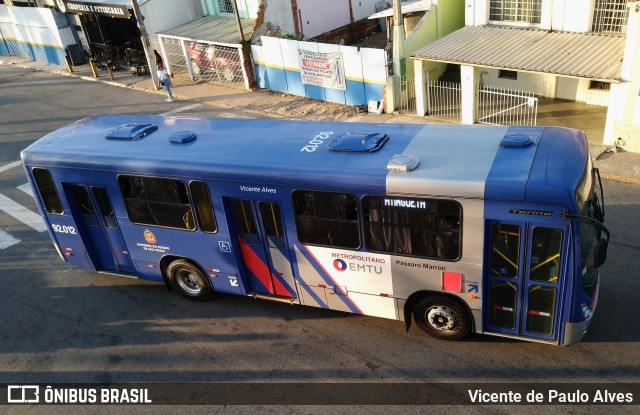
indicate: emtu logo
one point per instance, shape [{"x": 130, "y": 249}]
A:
[{"x": 340, "y": 265}]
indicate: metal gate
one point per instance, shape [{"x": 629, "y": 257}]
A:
[
  {"x": 203, "y": 60},
  {"x": 506, "y": 107},
  {"x": 444, "y": 99},
  {"x": 405, "y": 88}
]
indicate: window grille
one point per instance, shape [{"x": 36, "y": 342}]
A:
[
  {"x": 225, "y": 6},
  {"x": 502, "y": 73},
  {"x": 610, "y": 17},
  {"x": 601, "y": 85},
  {"x": 528, "y": 11}
]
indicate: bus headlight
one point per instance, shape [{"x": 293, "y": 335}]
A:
[{"x": 586, "y": 311}]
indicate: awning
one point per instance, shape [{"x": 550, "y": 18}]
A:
[
  {"x": 219, "y": 29},
  {"x": 409, "y": 6},
  {"x": 584, "y": 55}
]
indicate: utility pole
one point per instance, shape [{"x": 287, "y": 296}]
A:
[
  {"x": 145, "y": 43},
  {"x": 399, "y": 60},
  {"x": 235, "y": 11}
]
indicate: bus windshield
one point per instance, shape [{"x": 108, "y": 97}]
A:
[{"x": 589, "y": 206}]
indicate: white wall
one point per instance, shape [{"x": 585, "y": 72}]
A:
[
  {"x": 565, "y": 15},
  {"x": 278, "y": 17},
  {"x": 167, "y": 14},
  {"x": 33, "y": 25},
  {"x": 362, "y": 9},
  {"x": 544, "y": 85},
  {"x": 322, "y": 16}
]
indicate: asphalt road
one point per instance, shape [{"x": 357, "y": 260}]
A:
[{"x": 59, "y": 324}]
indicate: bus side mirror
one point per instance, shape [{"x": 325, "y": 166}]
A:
[{"x": 600, "y": 255}]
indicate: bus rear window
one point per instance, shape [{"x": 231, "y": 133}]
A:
[
  {"x": 48, "y": 192},
  {"x": 327, "y": 218},
  {"x": 156, "y": 201}
]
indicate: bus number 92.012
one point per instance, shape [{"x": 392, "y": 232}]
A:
[
  {"x": 63, "y": 229},
  {"x": 316, "y": 141}
]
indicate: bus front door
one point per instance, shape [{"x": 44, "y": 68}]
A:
[
  {"x": 92, "y": 208},
  {"x": 263, "y": 243},
  {"x": 524, "y": 280}
]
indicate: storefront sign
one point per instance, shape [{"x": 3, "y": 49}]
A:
[
  {"x": 100, "y": 9},
  {"x": 322, "y": 69}
]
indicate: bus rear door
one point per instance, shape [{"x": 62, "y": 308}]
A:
[
  {"x": 525, "y": 279},
  {"x": 263, "y": 243},
  {"x": 91, "y": 207}
]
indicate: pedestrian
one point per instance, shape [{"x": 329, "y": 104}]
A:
[{"x": 163, "y": 76}]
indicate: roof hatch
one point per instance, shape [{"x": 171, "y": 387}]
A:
[
  {"x": 516, "y": 141},
  {"x": 131, "y": 131},
  {"x": 182, "y": 137},
  {"x": 403, "y": 163},
  {"x": 358, "y": 142}
]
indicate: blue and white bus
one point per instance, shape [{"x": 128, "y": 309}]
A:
[{"x": 486, "y": 229}]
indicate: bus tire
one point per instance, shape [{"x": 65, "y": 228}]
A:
[
  {"x": 442, "y": 318},
  {"x": 189, "y": 280}
]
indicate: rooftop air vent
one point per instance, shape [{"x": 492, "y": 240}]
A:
[
  {"x": 131, "y": 131},
  {"x": 516, "y": 141},
  {"x": 403, "y": 163},
  {"x": 182, "y": 137},
  {"x": 358, "y": 142}
]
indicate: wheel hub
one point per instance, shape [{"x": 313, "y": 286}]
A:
[
  {"x": 441, "y": 318},
  {"x": 189, "y": 283}
]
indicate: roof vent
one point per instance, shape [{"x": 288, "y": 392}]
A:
[
  {"x": 358, "y": 142},
  {"x": 182, "y": 137},
  {"x": 516, "y": 141},
  {"x": 131, "y": 131},
  {"x": 403, "y": 163}
]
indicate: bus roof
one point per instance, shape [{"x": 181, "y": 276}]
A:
[{"x": 454, "y": 160}]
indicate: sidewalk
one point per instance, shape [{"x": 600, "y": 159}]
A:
[{"x": 613, "y": 163}]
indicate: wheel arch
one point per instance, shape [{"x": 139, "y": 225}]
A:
[{"x": 416, "y": 296}]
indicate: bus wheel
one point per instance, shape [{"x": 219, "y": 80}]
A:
[
  {"x": 442, "y": 318},
  {"x": 189, "y": 280}
]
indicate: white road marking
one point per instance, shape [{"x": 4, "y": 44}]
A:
[
  {"x": 10, "y": 166},
  {"x": 7, "y": 240},
  {"x": 181, "y": 109},
  {"x": 26, "y": 188},
  {"x": 21, "y": 213}
]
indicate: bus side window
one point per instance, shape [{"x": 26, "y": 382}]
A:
[
  {"x": 157, "y": 201},
  {"x": 426, "y": 228},
  {"x": 326, "y": 218},
  {"x": 48, "y": 192},
  {"x": 204, "y": 208}
]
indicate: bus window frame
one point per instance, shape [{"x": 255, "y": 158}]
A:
[
  {"x": 54, "y": 187},
  {"x": 188, "y": 193},
  {"x": 357, "y": 221},
  {"x": 457, "y": 230},
  {"x": 195, "y": 208}
]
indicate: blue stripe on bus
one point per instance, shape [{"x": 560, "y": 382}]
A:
[{"x": 327, "y": 278}]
